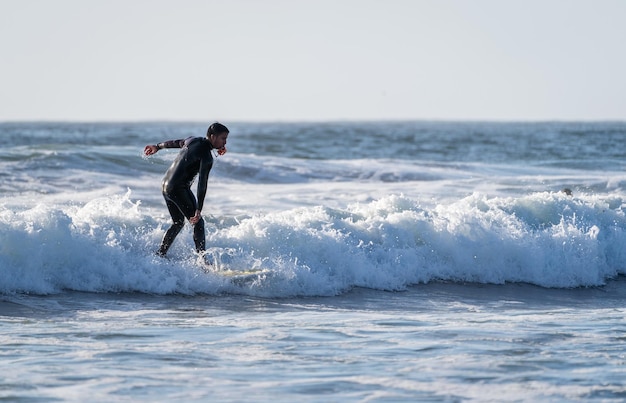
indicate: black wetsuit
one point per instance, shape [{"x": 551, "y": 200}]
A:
[{"x": 195, "y": 158}]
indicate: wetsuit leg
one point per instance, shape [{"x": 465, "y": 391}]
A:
[
  {"x": 178, "y": 219},
  {"x": 199, "y": 236},
  {"x": 182, "y": 204}
]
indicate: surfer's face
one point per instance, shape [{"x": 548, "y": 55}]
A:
[{"x": 218, "y": 140}]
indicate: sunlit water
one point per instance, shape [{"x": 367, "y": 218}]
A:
[{"x": 416, "y": 261}]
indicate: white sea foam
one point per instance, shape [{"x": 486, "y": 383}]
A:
[{"x": 107, "y": 245}]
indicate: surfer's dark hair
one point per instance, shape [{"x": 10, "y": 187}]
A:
[{"x": 216, "y": 128}]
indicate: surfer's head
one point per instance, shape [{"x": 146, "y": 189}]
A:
[
  {"x": 215, "y": 129},
  {"x": 217, "y": 134}
]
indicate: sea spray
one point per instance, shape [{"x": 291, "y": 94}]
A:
[{"x": 107, "y": 245}]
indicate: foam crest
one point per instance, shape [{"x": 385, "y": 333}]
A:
[
  {"x": 94, "y": 248},
  {"x": 107, "y": 245},
  {"x": 546, "y": 239}
]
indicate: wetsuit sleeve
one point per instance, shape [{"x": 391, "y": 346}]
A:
[
  {"x": 203, "y": 178},
  {"x": 172, "y": 144}
]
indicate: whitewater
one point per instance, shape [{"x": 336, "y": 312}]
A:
[{"x": 402, "y": 261}]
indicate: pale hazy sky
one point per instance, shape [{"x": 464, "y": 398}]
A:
[{"x": 312, "y": 60}]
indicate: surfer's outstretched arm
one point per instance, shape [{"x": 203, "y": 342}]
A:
[{"x": 153, "y": 148}]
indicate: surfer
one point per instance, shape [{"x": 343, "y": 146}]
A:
[{"x": 194, "y": 158}]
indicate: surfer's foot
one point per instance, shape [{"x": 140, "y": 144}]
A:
[
  {"x": 207, "y": 260},
  {"x": 206, "y": 263}
]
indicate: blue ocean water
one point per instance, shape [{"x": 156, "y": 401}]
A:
[{"x": 403, "y": 261}]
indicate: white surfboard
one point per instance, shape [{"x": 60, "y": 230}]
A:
[{"x": 239, "y": 277}]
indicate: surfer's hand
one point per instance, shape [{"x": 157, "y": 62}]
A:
[
  {"x": 194, "y": 220},
  {"x": 150, "y": 149}
]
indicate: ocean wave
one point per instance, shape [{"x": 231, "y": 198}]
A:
[
  {"x": 107, "y": 245},
  {"x": 257, "y": 169},
  {"x": 566, "y": 143}
]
